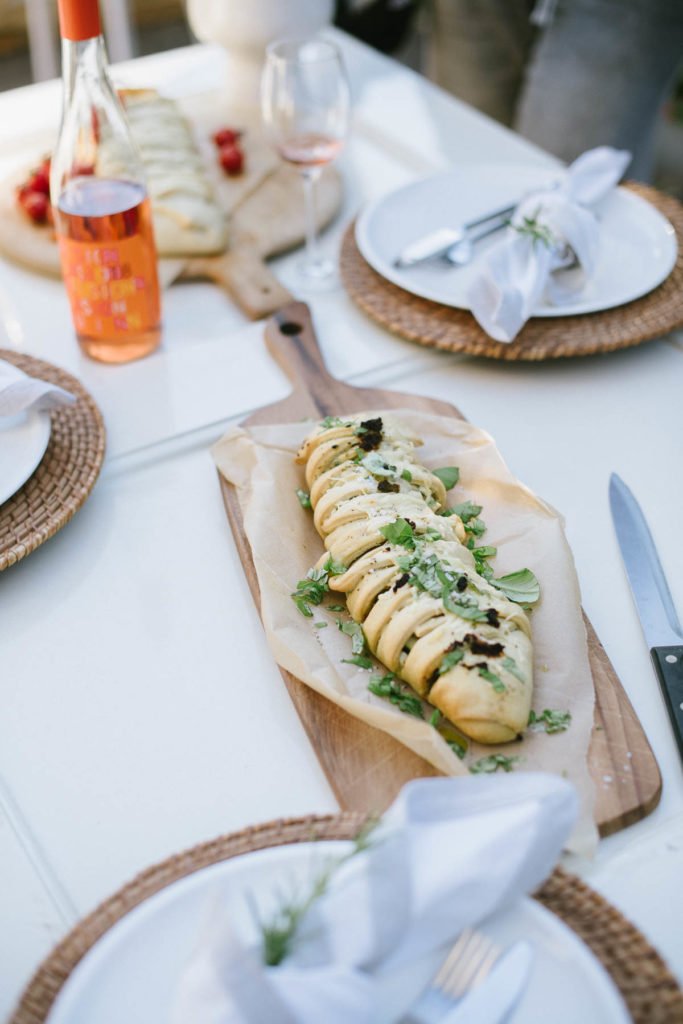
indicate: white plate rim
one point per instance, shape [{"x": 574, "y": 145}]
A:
[
  {"x": 219, "y": 873},
  {"x": 401, "y": 280},
  {"x": 38, "y": 421}
]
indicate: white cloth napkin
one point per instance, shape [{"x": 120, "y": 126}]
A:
[
  {"x": 19, "y": 392},
  {"x": 521, "y": 270},
  {"x": 448, "y": 853}
]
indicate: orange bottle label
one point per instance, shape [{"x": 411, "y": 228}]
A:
[{"x": 113, "y": 288}]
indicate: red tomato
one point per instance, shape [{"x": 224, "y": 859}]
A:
[
  {"x": 36, "y": 205},
  {"x": 231, "y": 159},
  {"x": 226, "y": 137},
  {"x": 39, "y": 181}
]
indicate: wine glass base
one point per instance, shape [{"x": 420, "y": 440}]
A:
[{"x": 314, "y": 277}]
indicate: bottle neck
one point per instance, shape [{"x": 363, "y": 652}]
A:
[{"x": 82, "y": 58}]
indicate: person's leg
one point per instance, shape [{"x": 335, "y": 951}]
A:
[
  {"x": 598, "y": 75},
  {"x": 479, "y": 49}
]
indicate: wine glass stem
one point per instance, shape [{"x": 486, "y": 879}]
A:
[{"x": 310, "y": 177}]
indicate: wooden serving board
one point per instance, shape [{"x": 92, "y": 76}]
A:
[
  {"x": 365, "y": 767},
  {"x": 264, "y": 207}
]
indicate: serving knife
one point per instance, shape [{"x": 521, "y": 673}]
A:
[{"x": 653, "y": 600}]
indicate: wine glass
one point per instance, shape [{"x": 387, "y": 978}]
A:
[{"x": 305, "y": 102}]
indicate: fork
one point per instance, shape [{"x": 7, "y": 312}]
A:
[{"x": 468, "y": 963}]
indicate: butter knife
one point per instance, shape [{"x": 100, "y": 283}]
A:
[
  {"x": 437, "y": 243},
  {"x": 653, "y": 600}
]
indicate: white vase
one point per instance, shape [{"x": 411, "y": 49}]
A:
[{"x": 245, "y": 27}]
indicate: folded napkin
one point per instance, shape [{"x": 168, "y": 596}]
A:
[
  {"x": 447, "y": 854},
  {"x": 19, "y": 392},
  {"x": 527, "y": 264}
]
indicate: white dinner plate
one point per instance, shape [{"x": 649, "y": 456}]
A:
[
  {"x": 638, "y": 248},
  {"x": 131, "y": 973},
  {"x": 23, "y": 440}
]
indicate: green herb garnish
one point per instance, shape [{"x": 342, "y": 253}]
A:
[
  {"x": 486, "y": 765},
  {"x": 320, "y": 625},
  {"x": 304, "y": 498},
  {"x": 375, "y": 464},
  {"x": 333, "y": 421},
  {"x": 406, "y": 475},
  {"x": 448, "y": 475},
  {"x": 495, "y": 681},
  {"x": 360, "y": 660},
  {"x": 522, "y": 587},
  {"x": 451, "y": 659},
  {"x": 511, "y": 665},
  {"x": 550, "y": 721},
  {"x": 466, "y": 510},
  {"x": 355, "y": 631},
  {"x": 537, "y": 232},
  {"x": 399, "y": 532},
  {"x": 386, "y": 686},
  {"x": 278, "y": 933},
  {"x": 336, "y": 607},
  {"x": 313, "y": 588}
]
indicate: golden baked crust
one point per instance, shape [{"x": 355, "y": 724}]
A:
[{"x": 425, "y": 611}]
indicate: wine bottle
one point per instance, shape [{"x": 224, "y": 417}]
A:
[{"x": 101, "y": 208}]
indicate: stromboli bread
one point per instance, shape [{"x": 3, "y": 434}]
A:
[{"x": 425, "y": 611}]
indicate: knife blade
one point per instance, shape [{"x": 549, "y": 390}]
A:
[
  {"x": 495, "y": 999},
  {"x": 653, "y": 600},
  {"x": 438, "y": 242}
]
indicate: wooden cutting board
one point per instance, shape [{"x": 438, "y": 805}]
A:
[
  {"x": 264, "y": 206},
  {"x": 365, "y": 767}
]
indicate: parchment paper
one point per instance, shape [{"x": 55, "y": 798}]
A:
[{"x": 259, "y": 461}]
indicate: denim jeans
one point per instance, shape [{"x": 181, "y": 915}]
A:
[{"x": 597, "y": 73}]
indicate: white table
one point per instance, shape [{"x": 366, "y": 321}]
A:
[{"x": 127, "y": 731}]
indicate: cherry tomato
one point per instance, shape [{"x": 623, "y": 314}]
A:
[
  {"x": 231, "y": 159},
  {"x": 226, "y": 137}
]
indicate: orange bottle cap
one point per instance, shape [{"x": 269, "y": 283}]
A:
[{"x": 79, "y": 19}]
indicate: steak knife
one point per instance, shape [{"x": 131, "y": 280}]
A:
[{"x": 650, "y": 590}]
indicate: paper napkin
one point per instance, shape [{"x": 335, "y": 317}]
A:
[
  {"x": 523, "y": 268},
  {"x": 19, "y": 392},
  {"x": 447, "y": 854}
]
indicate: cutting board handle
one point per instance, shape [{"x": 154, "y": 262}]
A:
[{"x": 291, "y": 340}]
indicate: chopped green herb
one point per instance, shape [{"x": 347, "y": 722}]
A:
[
  {"x": 511, "y": 665},
  {"x": 387, "y": 687},
  {"x": 399, "y": 532},
  {"x": 406, "y": 475},
  {"x": 448, "y": 475},
  {"x": 550, "y": 721},
  {"x": 466, "y": 510},
  {"x": 304, "y": 498},
  {"x": 486, "y": 765},
  {"x": 459, "y": 747},
  {"x": 451, "y": 659},
  {"x": 313, "y": 588},
  {"x": 475, "y": 527},
  {"x": 532, "y": 228},
  {"x": 434, "y": 717},
  {"x": 333, "y": 421},
  {"x": 360, "y": 660},
  {"x": 521, "y": 587},
  {"x": 355, "y": 631},
  {"x": 320, "y": 625},
  {"x": 336, "y": 607},
  {"x": 491, "y": 677}
]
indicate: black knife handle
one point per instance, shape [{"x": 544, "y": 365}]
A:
[{"x": 668, "y": 662}]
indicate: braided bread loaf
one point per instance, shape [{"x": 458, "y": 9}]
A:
[{"x": 425, "y": 611}]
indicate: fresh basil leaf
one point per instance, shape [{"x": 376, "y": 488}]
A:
[
  {"x": 336, "y": 607},
  {"x": 550, "y": 721},
  {"x": 333, "y": 421},
  {"x": 522, "y": 587},
  {"x": 360, "y": 660},
  {"x": 448, "y": 475},
  {"x": 491, "y": 677},
  {"x": 466, "y": 510},
  {"x": 434, "y": 717},
  {"x": 451, "y": 659},
  {"x": 399, "y": 532},
  {"x": 406, "y": 475},
  {"x": 387, "y": 687},
  {"x": 334, "y": 568},
  {"x": 355, "y": 631},
  {"x": 458, "y": 747},
  {"x": 320, "y": 625},
  {"x": 511, "y": 665},
  {"x": 304, "y": 498},
  {"x": 486, "y": 765}
]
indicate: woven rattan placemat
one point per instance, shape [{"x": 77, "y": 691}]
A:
[
  {"x": 456, "y": 330},
  {"x": 648, "y": 988},
  {"x": 67, "y": 473}
]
